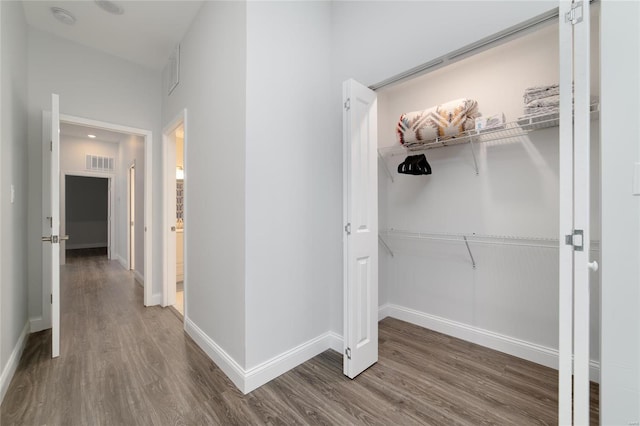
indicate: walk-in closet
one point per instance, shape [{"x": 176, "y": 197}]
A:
[{"x": 468, "y": 211}]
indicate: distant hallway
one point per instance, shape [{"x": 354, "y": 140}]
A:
[{"x": 124, "y": 364}]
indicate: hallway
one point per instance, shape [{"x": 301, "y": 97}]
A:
[{"x": 123, "y": 364}]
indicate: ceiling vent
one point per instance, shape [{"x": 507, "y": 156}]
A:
[
  {"x": 109, "y": 6},
  {"x": 95, "y": 162},
  {"x": 63, "y": 15}
]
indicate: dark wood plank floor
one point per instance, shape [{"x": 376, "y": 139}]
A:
[{"x": 123, "y": 364}]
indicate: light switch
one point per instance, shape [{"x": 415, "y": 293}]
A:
[
  {"x": 636, "y": 179},
  {"x": 13, "y": 193}
]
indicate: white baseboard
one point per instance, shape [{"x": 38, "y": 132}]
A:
[
  {"x": 280, "y": 364},
  {"x": 38, "y": 324},
  {"x": 122, "y": 261},
  {"x": 223, "y": 360},
  {"x": 247, "y": 380},
  {"x": 138, "y": 277},
  {"x": 383, "y": 311},
  {"x": 336, "y": 342},
  {"x": 10, "y": 368},
  {"x": 522, "y": 349}
]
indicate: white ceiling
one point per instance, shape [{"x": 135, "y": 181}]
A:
[
  {"x": 146, "y": 33},
  {"x": 82, "y": 132}
]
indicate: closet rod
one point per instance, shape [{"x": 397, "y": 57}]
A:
[
  {"x": 508, "y": 240},
  {"x": 473, "y": 47}
]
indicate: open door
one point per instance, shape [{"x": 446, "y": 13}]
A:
[
  {"x": 575, "y": 141},
  {"x": 360, "y": 190},
  {"x": 51, "y": 248}
]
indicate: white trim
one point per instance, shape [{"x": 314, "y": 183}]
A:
[
  {"x": 37, "y": 324},
  {"x": 252, "y": 378},
  {"x": 522, "y": 349},
  {"x": 223, "y": 360},
  {"x": 148, "y": 190},
  {"x": 122, "y": 261},
  {"x": 156, "y": 298},
  {"x": 336, "y": 342},
  {"x": 262, "y": 373},
  {"x": 168, "y": 179},
  {"x": 383, "y": 311},
  {"x": 9, "y": 369},
  {"x": 138, "y": 277}
]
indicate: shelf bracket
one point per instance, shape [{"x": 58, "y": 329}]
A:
[
  {"x": 473, "y": 153},
  {"x": 385, "y": 245},
  {"x": 473, "y": 261},
  {"x": 384, "y": 164}
]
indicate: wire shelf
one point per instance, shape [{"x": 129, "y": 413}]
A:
[{"x": 520, "y": 127}]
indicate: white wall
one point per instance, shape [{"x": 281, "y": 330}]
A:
[
  {"x": 291, "y": 254},
  {"x": 212, "y": 88},
  {"x": 131, "y": 149},
  {"x": 13, "y": 171},
  {"x": 620, "y": 67},
  {"x": 372, "y": 41},
  {"x": 92, "y": 85}
]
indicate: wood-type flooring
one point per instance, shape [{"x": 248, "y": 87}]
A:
[{"x": 123, "y": 364}]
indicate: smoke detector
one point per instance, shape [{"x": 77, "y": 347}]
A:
[
  {"x": 111, "y": 7},
  {"x": 63, "y": 15}
]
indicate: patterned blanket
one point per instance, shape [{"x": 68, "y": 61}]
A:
[{"x": 440, "y": 122}]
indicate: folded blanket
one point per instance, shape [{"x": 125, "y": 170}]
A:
[
  {"x": 440, "y": 122},
  {"x": 549, "y": 101},
  {"x": 538, "y": 92},
  {"x": 541, "y": 110}
]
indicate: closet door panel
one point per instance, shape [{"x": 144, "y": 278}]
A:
[{"x": 361, "y": 228}]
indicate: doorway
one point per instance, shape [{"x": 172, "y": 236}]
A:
[
  {"x": 85, "y": 204},
  {"x": 174, "y": 142}
]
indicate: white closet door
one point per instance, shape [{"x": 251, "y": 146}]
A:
[
  {"x": 361, "y": 228},
  {"x": 574, "y": 212}
]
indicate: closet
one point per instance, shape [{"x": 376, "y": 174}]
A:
[{"x": 472, "y": 249}]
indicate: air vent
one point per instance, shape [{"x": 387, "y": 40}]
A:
[{"x": 95, "y": 162}]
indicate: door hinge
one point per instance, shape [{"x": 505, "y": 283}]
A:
[
  {"x": 52, "y": 299},
  {"x": 575, "y": 239},
  {"x": 347, "y": 228},
  {"x": 347, "y": 104},
  {"x": 51, "y": 146},
  {"x": 575, "y": 15},
  {"x": 347, "y": 352}
]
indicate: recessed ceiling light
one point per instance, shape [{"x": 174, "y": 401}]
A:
[
  {"x": 92, "y": 136},
  {"x": 110, "y": 7},
  {"x": 63, "y": 15}
]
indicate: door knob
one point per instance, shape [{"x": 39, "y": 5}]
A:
[
  {"x": 46, "y": 239},
  {"x": 593, "y": 266}
]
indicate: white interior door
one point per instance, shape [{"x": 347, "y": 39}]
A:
[
  {"x": 361, "y": 228},
  {"x": 51, "y": 248},
  {"x": 169, "y": 141},
  {"x": 575, "y": 141}
]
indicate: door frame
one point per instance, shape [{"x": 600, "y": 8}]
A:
[
  {"x": 169, "y": 203},
  {"x": 131, "y": 240},
  {"x": 147, "y": 135},
  {"x": 63, "y": 210}
]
